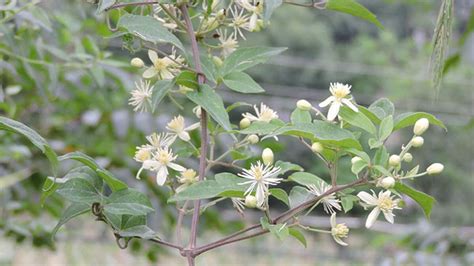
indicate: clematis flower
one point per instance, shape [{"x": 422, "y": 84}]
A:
[
  {"x": 228, "y": 44},
  {"x": 340, "y": 93},
  {"x": 141, "y": 96},
  {"x": 159, "y": 163},
  {"x": 330, "y": 202},
  {"x": 255, "y": 8},
  {"x": 187, "y": 178},
  {"x": 264, "y": 114},
  {"x": 155, "y": 141},
  {"x": 239, "y": 21},
  {"x": 261, "y": 177},
  {"x": 177, "y": 126},
  {"x": 338, "y": 231},
  {"x": 163, "y": 68},
  {"x": 383, "y": 202}
]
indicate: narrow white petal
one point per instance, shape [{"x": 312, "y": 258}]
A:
[
  {"x": 139, "y": 172},
  {"x": 260, "y": 194},
  {"x": 176, "y": 167},
  {"x": 149, "y": 73},
  {"x": 192, "y": 127},
  {"x": 161, "y": 176},
  {"x": 339, "y": 241},
  {"x": 367, "y": 198},
  {"x": 184, "y": 136},
  {"x": 333, "y": 110},
  {"x": 389, "y": 216},
  {"x": 372, "y": 217},
  {"x": 153, "y": 56},
  {"x": 333, "y": 220},
  {"x": 350, "y": 105},
  {"x": 326, "y": 102},
  {"x": 166, "y": 74}
]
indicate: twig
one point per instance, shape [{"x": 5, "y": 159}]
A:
[{"x": 120, "y": 5}]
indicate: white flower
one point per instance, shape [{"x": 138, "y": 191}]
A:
[
  {"x": 228, "y": 44},
  {"x": 265, "y": 114},
  {"x": 177, "y": 126},
  {"x": 330, "y": 202},
  {"x": 239, "y": 204},
  {"x": 164, "y": 68},
  {"x": 383, "y": 202},
  {"x": 435, "y": 168},
  {"x": 256, "y": 8},
  {"x": 338, "y": 231},
  {"x": 161, "y": 140},
  {"x": 141, "y": 96},
  {"x": 261, "y": 177},
  {"x": 239, "y": 21},
  {"x": 339, "y": 93},
  {"x": 159, "y": 163},
  {"x": 187, "y": 178}
]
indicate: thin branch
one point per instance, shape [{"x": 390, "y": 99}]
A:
[
  {"x": 120, "y": 5},
  {"x": 165, "y": 243}
]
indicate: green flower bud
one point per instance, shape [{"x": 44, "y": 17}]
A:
[
  {"x": 250, "y": 201},
  {"x": 355, "y": 159},
  {"x": 435, "y": 168},
  {"x": 137, "y": 62},
  {"x": 421, "y": 126},
  {"x": 303, "y": 105},
  {"x": 253, "y": 139},
  {"x": 267, "y": 156},
  {"x": 407, "y": 157},
  {"x": 217, "y": 60},
  {"x": 417, "y": 141},
  {"x": 317, "y": 147},
  {"x": 394, "y": 160},
  {"x": 244, "y": 123}
]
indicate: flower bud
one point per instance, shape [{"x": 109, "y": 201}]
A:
[
  {"x": 221, "y": 14},
  {"x": 421, "y": 126},
  {"x": 244, "y": 123},
  {"x": 317, "y": 147},
  {"x": 387, "y": 182},
  {"x": 217, "y": 60},
  {"x": 394, "y": 160},
  {"x": 197, "y": 111},
  {"x": 250, "y": 201},
  {"x": 435, "y": 168},
  {"x": 355, "y": 159},
  {"x": 267, "y": 156},
  {"x": 137, "y": 62},
  {"x": 253, "y": 139},
  {"x": 417, "y": 141},
  {"x": 407, "y": 157},
  {"x": 303, "y": 105}
]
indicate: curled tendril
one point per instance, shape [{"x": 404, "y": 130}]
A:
[
  {"x": 122, "y": 242},
  {"x": 97, "y": 209}
]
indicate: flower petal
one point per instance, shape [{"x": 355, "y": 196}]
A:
[
  {"x": 333, "y": 220},
  {"x": 389, "y": 216},
  {"x": 149, "y": 73},
  {"x": 161, "y": 176},
  {"x": 339, "y": 241},
  {"x": 153, "y": 56},
  {"x": 326, "y": 102},
  {"x": 350, "y": 105},
  {"x": 192, "y": 127},
  {"x": 260, "y": 194},
  {"x": 176, "y": 167},
  {"x": 372, "y": 217},
  {"x": 184, "y": 136},
  {"x": 333, "y": 110},
  {"x": 367, "y": 198}
]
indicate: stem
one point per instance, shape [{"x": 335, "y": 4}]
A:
[
  {"x": 204, "y": 133},
  {"x": 119, "y": 5}
]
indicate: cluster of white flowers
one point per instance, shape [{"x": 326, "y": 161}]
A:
[{"x": 157, "y": 156}]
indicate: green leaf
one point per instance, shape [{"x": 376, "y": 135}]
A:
[
  {"x": 269, "y": 7},
  {"x": 49, "y": 187},
  {"x": 279, "y": 230},
  {"x": 280, "y": 194},
  {"x": 321, "y": 131},
  {"x": 287, "y": 166},
  {"x": 372, "y": 116},
  {"x": 128, "y": 201},
  {"x": 132, "y": 221},
  {"x": 375, "y": 143},
  {"x": 247, "y": 57},
  {"x": 357, "y": 119},
  {"x": 348, "y": 202},
  {"x": 382, "y": 108},
  {"x": 208, "y": 99},
  {"x": 353, "y": 8},
  {"x": 409, "y": 119},
  {"x": 263, "y": 128},
  {"x": 382, "y": 170},
  {"x": 381, "y": 156},
  {"x": 424, "y": 200},
  {"x": 188, "y": 79},
  {"x": 298, "y": 235},
  {"x": 364, "y": 156},
  {"x": 305, "y": 178},
  {"x": 79, "y": 190},
  {"x": 358, "y": 166},
  {"x": 114, "y": 183},
  {"x": 20, "y": 128},
  {"x": 225, "y": 185},
  {"x": 141, "y": 231},
  {"x": 208, "y": 68},
  {"x": 160, "y": 89},
  {"x": 148, "y": 29},
  {"x": 241, "y": 82},
  {"x": 300, "y": 116},
  {"x": 74, "y": 210},
  {"x": 386, "y": 127},
  {"x": 298, "y": 195}
]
